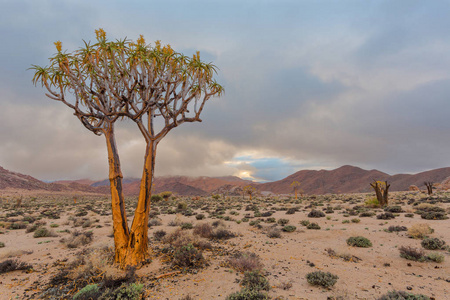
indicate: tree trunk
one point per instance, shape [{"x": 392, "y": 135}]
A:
[
  {"x": 120, "y": 226},
  {"x": 382, "y": 194},
  {"x": 295, "y": 191},
  {"x": 429, "y": 186},
  {"x": 137, "y": 251}
]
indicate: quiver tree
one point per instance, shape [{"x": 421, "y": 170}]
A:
[
  {"x": 381, "y": 190},
  {"x": 249, "y": 190},
  {"x": 429, "y": 186},
  {"x": 110, "y": 80},
  {"x": 295, "y": 185}
]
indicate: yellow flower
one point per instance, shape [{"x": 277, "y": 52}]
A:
[
  {"x": 58, "y": 45},
  {"x": 141, "y": 40},
  {"x": 100, "y": 33}
]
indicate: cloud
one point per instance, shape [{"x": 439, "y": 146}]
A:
[{"x": 308, "y": 85}]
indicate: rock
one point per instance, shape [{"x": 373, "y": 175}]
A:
[{"x": 414, "y": 188}]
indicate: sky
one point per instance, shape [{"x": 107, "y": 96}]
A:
[{"x": 308, "y": 85}]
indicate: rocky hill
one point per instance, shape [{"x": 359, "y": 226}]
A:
[
  {"x": 349, "y": 179},
  {"x": 346, "y": 179}
]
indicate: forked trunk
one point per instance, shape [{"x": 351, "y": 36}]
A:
[
  {"x": 137, "y": 251},
  {"x": 120, "y": 226}
]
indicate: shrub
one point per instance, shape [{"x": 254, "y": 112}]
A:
[
  {"x": 43, "y": 232},
  {"x": 409, "y": 215},
  {"x": 356, "y": 220},
  {"x": 304, "y": 222},
  {"x": 432, "y": 215},
  {"x": 412, "y": 253},
  {"x": 246, "y": 261},
  {"x": 386, "y": 216},
  {"x": 156, "y": 198},
  {"x": 199, "y": 216},
  {"x": 10, "y": 265},
  {"x": 159, "y": 234},
  {"x": 254, "y": 280},
  {"x": 182, "y": 205},
  {"x": 204, "y": 230},
  {"x": 291, "y": 211},
  {"x": 90, "y": 291},
  {"x": 78, "y": 239},
  {"x": 359, "y": 241},
  {"x": 17, "y": 225},
  {"x": 397, "y": 228},
  {"x": 222, "y": 234},
  {"x": 366, "y": 214},
  {"x": 436, "y": 257},
  {"x": 267, "y": 214},
  {"x": 372, "y": 202},
  {"x": 400, "y": 295},
  {"x": 125, "y": 291},
  {"x": 313, "y": 226},
  {"x": 283, "y": 221},
  {"x": 188, "y": 256},
  {"x": 274, "y": 233},
  {"x": 324, "y": 279},
  {"x": 433, "y": 243},
  {"x": 187, "y": 226},
  {"x": 246, "y": 294},
  {"x": 316, "y": 214},
  {"x": 154, "y": 222},
  {"x": 394, "y": 209},
  {"x": 2, "y": 245},
  {"x": 420, "y": 231},
  {"x": 289, "y": 228}
]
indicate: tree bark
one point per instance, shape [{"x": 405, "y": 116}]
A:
[
  {"x": 120, "y": 226},
  {"x": 137, "y": 251},
  {"x": 429, "y": 186}
]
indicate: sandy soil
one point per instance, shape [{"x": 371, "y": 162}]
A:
[{"x": 286, "y": 260}]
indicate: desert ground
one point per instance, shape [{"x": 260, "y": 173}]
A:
[{"x": 201, "y": 247}]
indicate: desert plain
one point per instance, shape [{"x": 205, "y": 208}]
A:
[{"x": 222, "y": 237}]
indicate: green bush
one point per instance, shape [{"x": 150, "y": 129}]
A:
[
  {"x": 43, "y": 232},
  {"x": 124, "y": 292},
  {"x": 400, "y": 295},
  {"x": 156, "y": 198},
  {"x": 187, "y": 226},
  {"x": 431, "y": 215},
  {"x": 359, "y": 241},
  {"x": 433, "y": 243},
  {"x": 188, "y": 257},
  {"x": 436, "y": 257},
  {"x": 254, "y": 280},
  {"x": 91, "y": 291},
  {"x": 304, "y": 222},
  {"x": 246, "y": 294},
  {"x": 2, "y": 244},
  {"x": 324, "y": 279},
  {"x": 289, "y": 228},
  {"x": 283, "y": 221},
  {"x": 313, "y": 226}
]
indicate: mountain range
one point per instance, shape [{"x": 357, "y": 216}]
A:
[{"x": 346, "y": 179}]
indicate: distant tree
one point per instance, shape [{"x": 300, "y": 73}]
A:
[
  {"x": 295, "y": 185},
  {"x": 249, "y": 190},
  {"x": 111, "y": 80},
  {"x": 429, "y": 186},
  {"x": 381, "y": 190}
]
